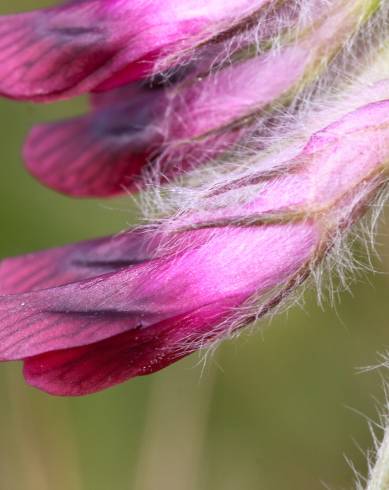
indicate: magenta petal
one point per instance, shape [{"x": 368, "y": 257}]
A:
[
  {"x": 48, "y": 52},
  {"x": 98, "y": 155},
  {"x": 91, "y": 368},
  {"x": 144, "y": 295},
  {"x": 64, "y": 317},
  {"x": 71, "y": 263},
  {"x": 74, "y": 48},
  {"x": 97, "y": 44}
]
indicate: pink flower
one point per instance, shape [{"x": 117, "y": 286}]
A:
[
  {"x": 178, "y": 85},
  {"x": 88, "y": 316},
  {"x": 178, "y": 126}
]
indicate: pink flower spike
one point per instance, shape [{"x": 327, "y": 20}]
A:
[{"x": 99, "y": 44}]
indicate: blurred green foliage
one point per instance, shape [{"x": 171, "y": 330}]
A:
[{"x": 280, "y": 409}]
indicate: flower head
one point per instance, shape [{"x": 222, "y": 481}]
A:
[
  {"x": 261, "y": 202},
  {"x": 133, "y": 304}
]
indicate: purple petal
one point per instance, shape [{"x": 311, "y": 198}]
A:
[
  {"x": 91, "y": 368},
  {"x": 233, "y": 263},
  {"x": 98, "y": 155},
  {"x": 71, "y": 263},
  {"x": 97, "y": 44}
]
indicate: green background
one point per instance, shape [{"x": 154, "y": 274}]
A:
[{"x": 283, "y": 408}]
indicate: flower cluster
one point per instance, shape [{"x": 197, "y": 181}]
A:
[{"x": 257, "y": 132}]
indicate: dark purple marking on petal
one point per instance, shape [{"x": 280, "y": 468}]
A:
[
  {"x": 98, "y": 155},
  {"x": 71, "y": 263},
  {"x": 46, "y": 53},
  {"x": 88, "y": 369},
  {"x": 86, "y": 46}
]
